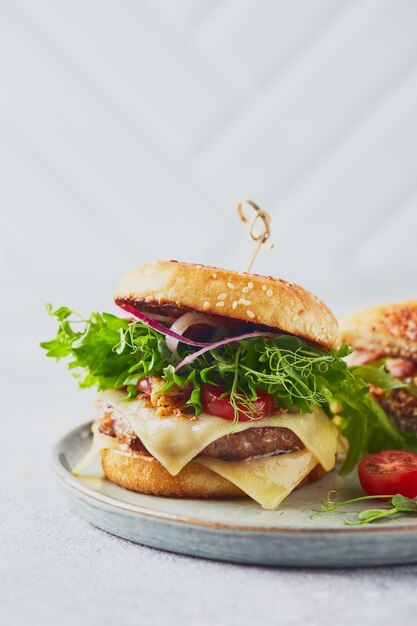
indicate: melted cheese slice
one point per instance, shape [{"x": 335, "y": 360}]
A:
[
  {"x": 267, "y": 480},
  {"x": 175, "y": 441},
  {"x": 100, "y": 442}
]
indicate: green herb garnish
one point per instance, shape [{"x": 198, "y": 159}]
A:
[
  {"x": 397, "y": 505},
  {"x": 112, "y": 353}
]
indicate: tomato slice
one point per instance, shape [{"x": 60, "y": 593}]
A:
[
  {"x": 389, "y": 472},
  {"x": 214, "y": 404}
]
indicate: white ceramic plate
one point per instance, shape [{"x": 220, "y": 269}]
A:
[{"x": 237, "y": 530}]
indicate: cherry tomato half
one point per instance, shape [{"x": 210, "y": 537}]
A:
[
  {"x": 221, "y": 407},
  {"x": 389, "y": 472}
]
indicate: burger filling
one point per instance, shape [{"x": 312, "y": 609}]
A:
[
  {"x": 248, "y": 444},
  {"x": 400, "y": 403},
  {"x": 249, "y": 402},
  {"x": 266, "y": 458}
]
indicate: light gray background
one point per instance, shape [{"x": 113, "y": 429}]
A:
[{"x": 129, "y": 130}]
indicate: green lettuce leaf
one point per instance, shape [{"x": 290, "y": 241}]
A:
[
  {"x": 378, "y": 376},
  {"x": 106, "y": 351}
]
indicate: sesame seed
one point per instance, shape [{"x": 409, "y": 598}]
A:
[
  {"x": 269, "y": 293},
  {"x": 221, "y": 303},
  {"x": 245, "y": 289},
  {"x": 214, "y": 275},
  {"x": 250, "y": 314},
  {"x": 245, "y": 302},
  {"x": 234, "y": 304},
  {"x": 158, "y": 295},
  {"x": 263, "y": 287},
  {"x": 250, "y": 285},
  {"x": 206, "y": 304},
  {"x": 230, "y": 285},
  {"x": 222, "y": 296}
]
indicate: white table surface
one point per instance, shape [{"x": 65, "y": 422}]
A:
[{"x": 57, "y": 569}]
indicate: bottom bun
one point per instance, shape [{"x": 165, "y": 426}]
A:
[{"x": 143, "y": 473}]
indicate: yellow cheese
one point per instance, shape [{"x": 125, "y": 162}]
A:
[
  {"x": 99, "y": 442},
  {"x": 175, "y": 441},
  {"x": 267, "y": 480}
]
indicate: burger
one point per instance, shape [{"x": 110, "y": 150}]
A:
[
  {"x": 217, "y": 384},
  {"x": 385, "y": 339}
]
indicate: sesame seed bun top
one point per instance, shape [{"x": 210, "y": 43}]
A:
[
  {"x": 251, "y": 298},
  {"x": 390, "y": 329}
]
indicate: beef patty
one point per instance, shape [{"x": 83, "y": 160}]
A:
[
  {"x": 247, "y": 444},
  {"x": 401, "y": 406}
]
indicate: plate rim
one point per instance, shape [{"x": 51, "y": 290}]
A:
[{"x": 75, "y": 484}]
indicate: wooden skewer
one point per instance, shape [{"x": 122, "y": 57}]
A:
[{"x": 264, "y": 221}]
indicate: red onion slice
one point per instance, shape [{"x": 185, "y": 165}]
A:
[
  {"x": 183, "y": 323},
  {"x": 205, "y": 347},
  {"x": 159, "y": 327},
  {"x": 218, "y": 344}
]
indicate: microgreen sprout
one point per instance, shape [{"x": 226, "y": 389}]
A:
[{"x": 398, "y": 505}]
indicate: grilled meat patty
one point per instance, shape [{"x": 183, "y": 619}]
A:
[
  {"x": 254, "y": 442},
  {"x": 401, "y": 406}
]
